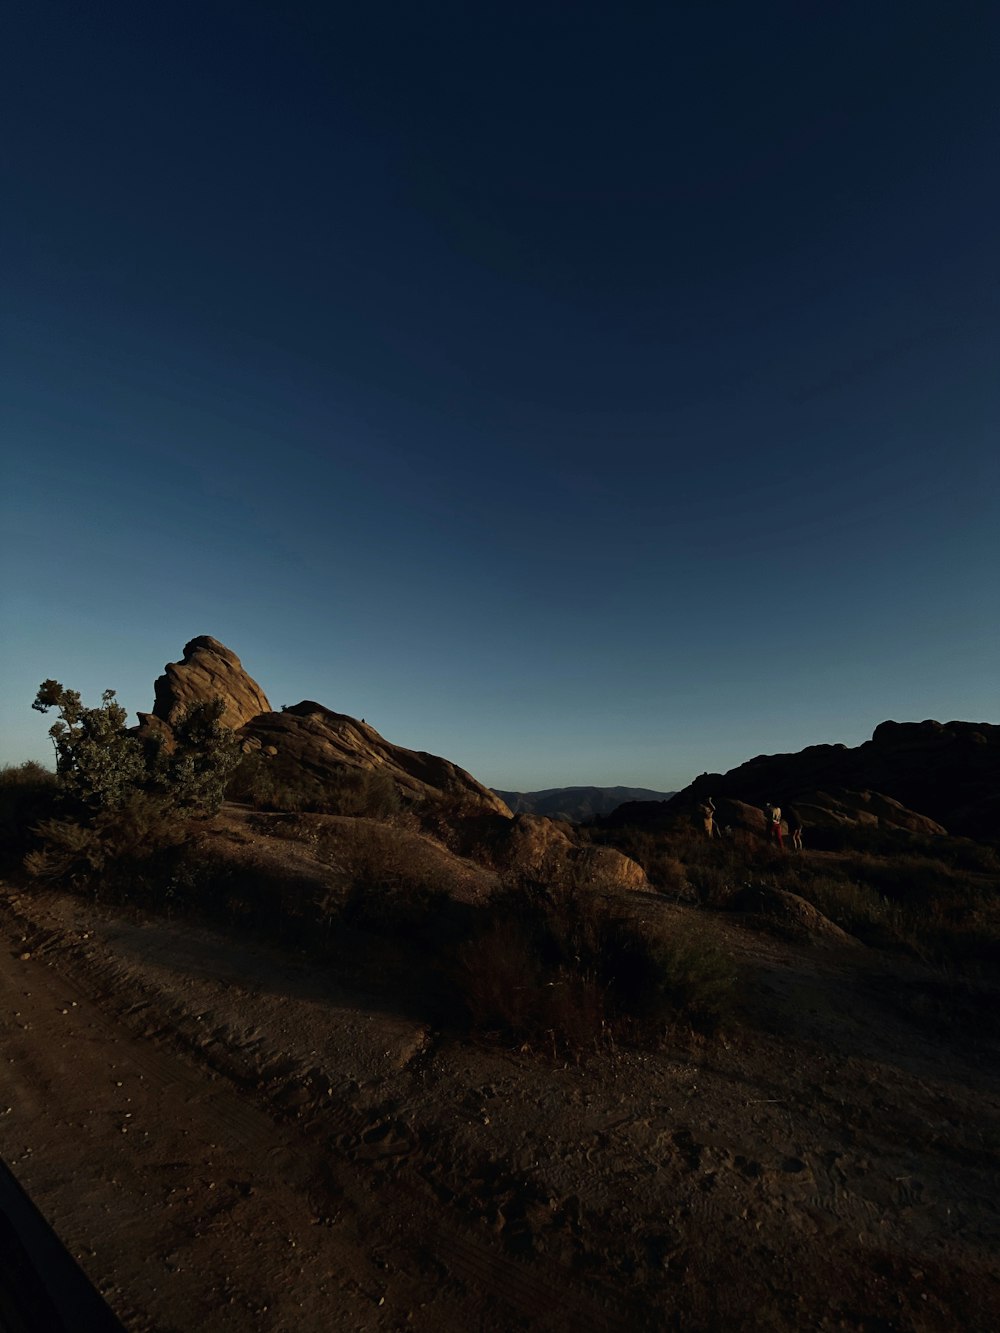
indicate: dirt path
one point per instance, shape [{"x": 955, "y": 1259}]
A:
[{"x": 230, "y": 1139}]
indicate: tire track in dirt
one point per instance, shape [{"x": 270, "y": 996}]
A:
[{"x": 543, "y": 1292}]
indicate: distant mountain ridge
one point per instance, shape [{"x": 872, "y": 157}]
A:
[{"x": 576, "y": 803}]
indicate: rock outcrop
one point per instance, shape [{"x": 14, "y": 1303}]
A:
[
  {"x": 208, "y": 670},
  {"x": 306, "y": 739},
  {"x": 310, "y": 739},
  {"x": 532, "y": 845},
  {"x": 921, "y": 777}
]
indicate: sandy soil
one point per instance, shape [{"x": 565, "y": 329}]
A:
[{"x": 230, "y": 1139}]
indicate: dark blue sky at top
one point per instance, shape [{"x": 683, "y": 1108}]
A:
[{"x": 588, "y": 393}]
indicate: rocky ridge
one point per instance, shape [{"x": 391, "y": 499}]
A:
[
  {"x": 919, "y": 777},
  {"x": 306, "y": 738}
]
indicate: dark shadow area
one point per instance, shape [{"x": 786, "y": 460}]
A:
[{"x": 42, "y": 1288}]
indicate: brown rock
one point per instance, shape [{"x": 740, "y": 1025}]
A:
[
  {"x": 209, "y": 670},
  {"x": 944, "y": 773},
  {"x": 544, "y": 848},
  {"x": 310, "y": 739}
]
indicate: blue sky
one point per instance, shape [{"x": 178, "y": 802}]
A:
[{"x": 590, "y": 394}]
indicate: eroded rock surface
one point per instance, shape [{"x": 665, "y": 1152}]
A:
[
  {"x": 207, "y": 671},
  {"x": 321, "y": 743},
  {"x": 536, "y": 847}
]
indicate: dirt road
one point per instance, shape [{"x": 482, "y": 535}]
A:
[{"x": 229, "y": 1139}]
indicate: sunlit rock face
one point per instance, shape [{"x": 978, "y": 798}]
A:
[
  {"x": 320, "y": 743},
  {"x": 306, "y": 739},
  {"x": 209, "y": 670}
]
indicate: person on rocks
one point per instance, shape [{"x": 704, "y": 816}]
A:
[
  {"x": 707, "y": 812},
  {"x": 772, "y": 813},
  {"x": 794, "y": 828}
]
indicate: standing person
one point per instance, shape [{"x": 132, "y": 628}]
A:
[
  {"x": 773, "y": 815},
  {"x": 707, "y": 812},
  {"x": 795, "y": 828}
]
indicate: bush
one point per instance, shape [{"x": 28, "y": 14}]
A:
[
  {"x": 28, "y": 793},
  {"x": 561, "y": 966},
  {"x": 121, "y": 853},
  {"x": 100, "y": 763},
  {"x": 856, "y": 908},
  {"x": 195, "y": 773},
  {"x": 357, "y": 792},
  {"x": 664, "y": 869},
  {"x": 682, "y": 970},
  {"x": 103, "y": 766}
]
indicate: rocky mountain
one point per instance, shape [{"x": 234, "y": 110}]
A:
[
  {"x": 306, "y": 737},
  {"x": 922, "y": 777},
  {"x": 577, "y": 804}
]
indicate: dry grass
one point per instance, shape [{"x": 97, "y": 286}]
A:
[{"x": 562, "y": 966}]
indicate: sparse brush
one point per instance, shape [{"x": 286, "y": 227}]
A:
[
  {"x": 355, "y": 792},
  {"x": 565, "y": 962},
  {"x": 854, "y": 907},
  {"x": 674, "y": 970},
  {"x": 122, "y": 851},
  {"x": 29, "y": 793}
]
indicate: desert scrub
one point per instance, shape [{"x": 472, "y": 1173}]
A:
[
  {"x": 386, "y": 881},
  {"x": 28, "y": 794},
  {"x": 856, "y": 908},
  {"x": 128, "y": 852},
  {"x": 358, "y": 792},
  {"x": 664, "y": 869},
  {"x": 102, "y": 765},
  {"x": 563, "y": 967}
]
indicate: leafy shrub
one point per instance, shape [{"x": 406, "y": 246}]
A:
[
  {"x": 559, "y": 964},
  {"x": 194, "y": 774},
  {"x": 99, "y": 762},
  {"x": 124, "y": 852},
  {"x": 103, "y": 766},
  {"x": 28, "y": 793}
]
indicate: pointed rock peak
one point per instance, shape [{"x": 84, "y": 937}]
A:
[{"x": 209, "y": 670}]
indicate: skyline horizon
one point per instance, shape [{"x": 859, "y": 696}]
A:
[
  {"x": 583, "y": 394},
  {"x": 40, "y": 746}
]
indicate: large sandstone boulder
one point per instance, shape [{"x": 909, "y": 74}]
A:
[
  {"x": 208, "y": 670},
  {"x": 543, "y": 849},
  {"x": 312, "y": 740}
]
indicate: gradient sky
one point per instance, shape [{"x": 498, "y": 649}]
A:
[{"x": 589, "y": 393}]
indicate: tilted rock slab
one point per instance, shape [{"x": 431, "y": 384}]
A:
[
  {"x": 209, "y": 670},
  {"x": 321, "y": 743}
]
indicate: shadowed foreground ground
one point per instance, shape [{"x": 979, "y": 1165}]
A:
[{"x": 227, "y": 1138}]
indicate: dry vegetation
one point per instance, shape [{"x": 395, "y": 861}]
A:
[{"x": 800, "y": 1044}]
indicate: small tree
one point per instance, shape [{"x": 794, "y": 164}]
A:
[
  {"x": 102, "y": 765},
  {"x": 197, "y": 770},
  {"x": 99, "y": 762}
]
